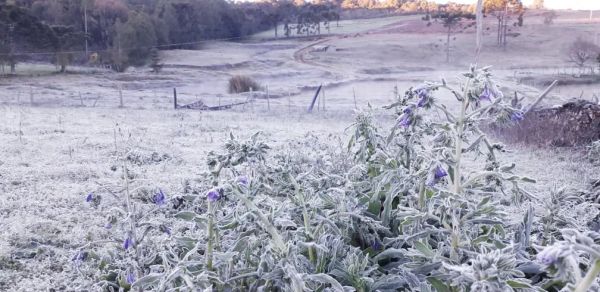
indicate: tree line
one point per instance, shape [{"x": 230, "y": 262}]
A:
[{"x": 122, "y": 33}]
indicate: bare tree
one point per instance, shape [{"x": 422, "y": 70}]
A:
[
  {"x": 549, "y": 17},
  {"x": 452, "y": 17},
  {"x": 582, "y": 51},
  {"x": 538, "y": 4}
]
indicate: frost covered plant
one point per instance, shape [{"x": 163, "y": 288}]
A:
[
  {"x": 594, "y": 151},
  {"x": 488, "y": 271},
  {"x": 574, "y": 261},
  {"x": 129, "y": 223},
  {"x": 395, "y": 210}
]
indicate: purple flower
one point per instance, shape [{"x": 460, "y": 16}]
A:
[
  {"x": 439, "y": 172},
  {"x": 408, "y": 110},
  {"x": 108, "y": 225},
  {"x": 89, "y": 198},
  {"x": 242, "y": 180},
  {"x": 375, "y": 245},
  {"x": 422, "y": 101},
  {"x": 80, "y": 256},
  {"x": 486, "y": 94},
  {"x": 165, "y": 229},
  {"x": 421, "y": 91},
  {"x": 437, "y": 175},
  {"x": 130, "y": 278},
  {"x": 405, "y": 120},
  {"x": 550, "y": 255},
  {"x": 159, "y": 198},
  {"x": 516, "y": 116},
  {"x": 128, "y": 243},
  {"x": 213, "y": 195}
]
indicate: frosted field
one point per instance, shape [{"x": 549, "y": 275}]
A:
[{"x": 61, "y": 135}]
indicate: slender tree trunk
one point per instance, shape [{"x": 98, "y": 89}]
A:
[
  {"x": 479, "y": 37},
  {"x": 448, "y": 45},
  {"x": 276, "y": 24},
  {"x": 505, "y": 25},
  {"x": 85, "y": 23},
  {"x": 499, "y": 30}
]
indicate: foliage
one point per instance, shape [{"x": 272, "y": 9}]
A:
[
  {"x": 241, "y": 83},
  {"x": 398, "y": 211},
  {"x": 134, "y": 42},
  {"x": 582, "y": 51},
  {"x": 21, "y": 31},
  {"x": 594, "y": 151},
  {"x": 549, "y": 17},
  {"x": 504, "y": 11},
  {"x": 452, "y": 17}
]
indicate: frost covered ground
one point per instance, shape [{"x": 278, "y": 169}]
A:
[{"x": 59, "y": 134}]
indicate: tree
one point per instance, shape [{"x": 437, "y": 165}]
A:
[
  {"x": 134, "y": 41},
  {"x": 504, "y": 10},
  {"x": 155, "y": 61},
  {"x": 538, "y": 4},
  {"x": 22, "y": 32},
  {"x": 549, "y": 17},
  {"x": 65, "y": 39},
  {"x": 452, "y": 17},
  {"x": 582, "y": 51}
]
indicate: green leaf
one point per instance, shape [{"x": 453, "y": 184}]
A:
[
  {"x": 186, "y": 242},
  {"x": 186, "y": 215},
  {"x": 424, "y": 249},
  {"x": 438, "y": 285},
  {"x": 517, "y": 284},
  {"x": 529, "y": 180},
  {"x": 326, "y": 279},
  {"x": 147, "y": 280},
  {"x": 389, "y": 253},
  {"x": 375, "y": 207}
]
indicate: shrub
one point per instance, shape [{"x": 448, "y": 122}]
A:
[
  {"x": 400, "y": 210},
  {"x": 241, "y": 83},
  {"x": 594, "y": 151}
]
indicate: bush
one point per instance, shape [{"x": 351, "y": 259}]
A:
[
  {"x": 594, "y": 151},
  {"x": 397, "y": 210},
  {"x": 241, "y": 83}
]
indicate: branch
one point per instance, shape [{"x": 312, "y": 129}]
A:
[{"x": 542, "y": 96}]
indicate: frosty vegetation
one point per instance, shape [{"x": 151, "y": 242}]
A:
[{"x": 394, "y": 210}]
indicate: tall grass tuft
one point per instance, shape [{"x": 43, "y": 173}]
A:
[{"x": 242, "y": 83}]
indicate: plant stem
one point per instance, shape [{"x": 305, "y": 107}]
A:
[
  {"x": 589, "y": 278},
  {"x": 422, "y": 197},
  {"x": 460, "y": 124},
  {"x": 209, "y": 245},
  {"x": 279, "y": 243},
  {"x": 458, "y": 140},
  {"x": 306, "y": 218}
]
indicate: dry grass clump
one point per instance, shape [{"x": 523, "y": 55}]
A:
[{"x": 242, "y": 83}]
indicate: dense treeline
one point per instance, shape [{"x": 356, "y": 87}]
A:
[
  {"x": 127, "y": 32},
  {"x": 121, "y": 33}
]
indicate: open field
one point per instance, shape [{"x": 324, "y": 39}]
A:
[{"x": 61, "y": 134}]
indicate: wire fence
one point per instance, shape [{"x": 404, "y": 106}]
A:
[{"x": 165, "y": 99}]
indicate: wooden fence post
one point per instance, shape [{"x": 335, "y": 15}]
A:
[
  {"x": 354, "y": 93},
  {"x": 31, "y": 96},
  {"x": 120, "y": 97},
  {"x": 268, "y": 99},
  {"x": 312, "y": 104},
  {"x": 174, "y": 98},
  {"x": 323, "y": 93}
]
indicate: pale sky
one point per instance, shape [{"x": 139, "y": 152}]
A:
[{"x": 553, "y": 4}]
